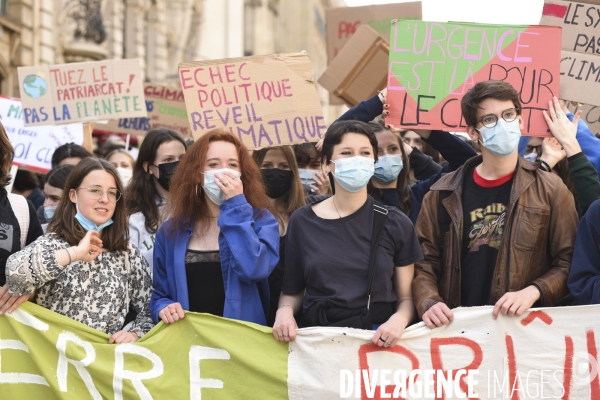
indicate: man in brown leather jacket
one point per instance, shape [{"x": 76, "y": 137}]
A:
[{"x": 510, "y": 226}]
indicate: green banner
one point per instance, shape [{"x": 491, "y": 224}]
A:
[{"x": 44, "y": 355}]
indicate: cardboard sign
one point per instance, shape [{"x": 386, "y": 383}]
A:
[
  {"x": 579, "y": 22},
  {"x": 432, "y": 65},
  {"x": 81, "y": 92},
  {"x": 580, "y": 77},
  {"x": 166, "y": 109},
  {"x": 265, "y": 100},
  {"x": 591, "y": 116},
  {"x": 359, "y": 70},
  {"x": 34, "y": 146},
  {"x": 343, "y": 22},
  {"x": 580, "y": 59}
]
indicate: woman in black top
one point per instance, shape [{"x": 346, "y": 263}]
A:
[
  {"x": 328, "y": 246},
  {"x": 284, "y": 188}
]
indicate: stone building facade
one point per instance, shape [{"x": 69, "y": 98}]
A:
[{"x": 159, "y": 33}]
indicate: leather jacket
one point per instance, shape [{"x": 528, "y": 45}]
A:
[{"x": 536, "y": 249}]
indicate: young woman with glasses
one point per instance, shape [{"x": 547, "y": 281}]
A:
[{"x": 83, "y": 267}]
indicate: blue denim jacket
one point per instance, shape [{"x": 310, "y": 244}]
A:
[{"x": 249, "y": 246}]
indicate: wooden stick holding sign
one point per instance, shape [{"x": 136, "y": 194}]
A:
[{"x": 88, "y": 144}]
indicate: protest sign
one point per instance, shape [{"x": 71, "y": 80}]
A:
[
  {"x": 579, "y": 23},
  {"x": 166, "y": 109},
  {"x": 34, "y": 146},
  {"x": 81, "y": 92},
  {"x": 359, "y": 70},
  {"x": 264, "y": 100},
  {"x": 342, "y": 23},
  {"x": 545, "y": 353},
  {"x": 589, "y": 114},
  {"x": 432, "y": 65},
  {"x": 580, "y": 77},
  {"x": 580, "y": 58}
]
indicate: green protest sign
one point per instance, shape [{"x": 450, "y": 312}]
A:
[{"x": 432, "y": 65}]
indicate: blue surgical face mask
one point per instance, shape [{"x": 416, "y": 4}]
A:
[
  {"x": 86, "y": 223},
  {"x": 214, "y": 193},
  {"x": 354, "y": 173},
  {"x": 503, "y": 139},
  {"x": 388, "y": 167},
  {"x": 49, "y": 212},
  {"x": 531, "y": 157},
  {"x": 306, "y": 176}
]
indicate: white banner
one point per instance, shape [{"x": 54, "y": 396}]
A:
[
  {"x": 546, "y": 353},
  {"x": 34, "y": 146}
]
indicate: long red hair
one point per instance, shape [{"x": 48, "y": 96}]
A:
[{"x": 186, "y": 203}]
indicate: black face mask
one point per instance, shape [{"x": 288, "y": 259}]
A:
[
  {"x": 278, "y": 181},
  {"x": 165, "y": 172}
]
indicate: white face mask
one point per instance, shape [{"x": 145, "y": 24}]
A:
[
  {"x": 353, "y": 173},
  {"x": 503, "y": 139},
  {"x": 531, "y": 157},
  {"x": 214, "y": 193},
  {"x": 125, "y": 175}
]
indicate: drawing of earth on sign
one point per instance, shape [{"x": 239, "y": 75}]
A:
[{"x": 35, "y": 86}]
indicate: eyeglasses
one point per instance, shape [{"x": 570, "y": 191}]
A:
[
  {"x": 531, "y": 149},
  {"x": 490, "y": 120},
  {"x": 96, "y": 192}
]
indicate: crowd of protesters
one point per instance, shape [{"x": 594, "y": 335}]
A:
[{"x": 374, "y": 227}]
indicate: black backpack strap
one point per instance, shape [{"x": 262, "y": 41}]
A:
[
  {"x": 444, "y": 222},
  {"x": 379, "y": 215}
]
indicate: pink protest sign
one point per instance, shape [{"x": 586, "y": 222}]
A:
[{"x": 432, "y": 65}]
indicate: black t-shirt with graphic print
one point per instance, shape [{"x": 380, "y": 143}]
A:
[
  {"x": 10, "y": 232},
  {"x": 484, "y": 214}
]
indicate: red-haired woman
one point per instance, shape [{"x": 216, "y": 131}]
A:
[{"x": 219, "y": 246}]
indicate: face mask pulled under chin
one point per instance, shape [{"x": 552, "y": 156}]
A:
[
  {"x": 86, "y": 223},
  {"x": 503, "y": 139},
  {"x": 214, "y": 192}
]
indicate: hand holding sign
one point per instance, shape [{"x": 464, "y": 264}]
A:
[{"x": 563, "y": 130}]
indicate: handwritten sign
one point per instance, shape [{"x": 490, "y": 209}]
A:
[
  {"x": 580, "y": 58},
  {"x": 343, "y": 22},
  {"x": 591, "y": 116},
  {"x": 432, "y": 65},
  {"x": 166, "y": 109},
  {"x": 34, "y": 146},
  {"x": 81, "y": 92},
  {"x": 265, "y": 101}
]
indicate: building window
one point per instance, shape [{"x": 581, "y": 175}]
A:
[{"x": 4, "y": 7}]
